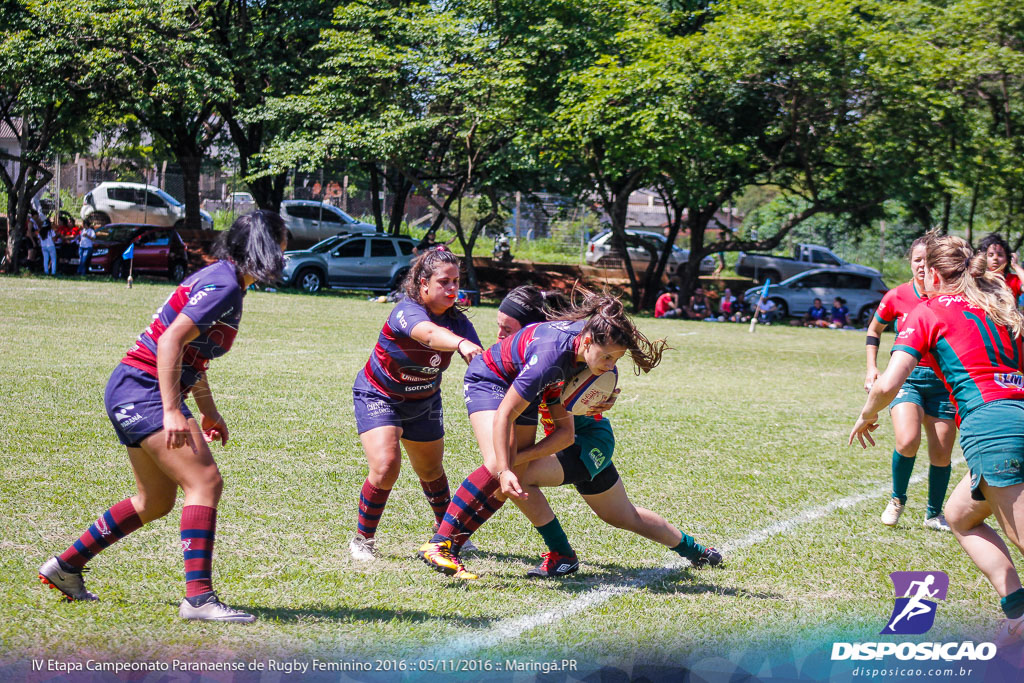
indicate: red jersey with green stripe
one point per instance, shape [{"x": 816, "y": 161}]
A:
[
  {"x": 978, "y": 360},
  {"x": 1013, "y": 282},
  {"x": 895, "y": 306}
]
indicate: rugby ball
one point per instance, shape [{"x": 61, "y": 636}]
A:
[{"x": 586, "y": 390}]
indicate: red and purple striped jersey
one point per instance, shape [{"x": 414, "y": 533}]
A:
[
  {"x": 400, "y": 366},
  {"x": 978, "y": 360},
  {"x": 212, "y": 299},
  {"x": 896, "y": 304},
  {"x": 538, "y": 357}
]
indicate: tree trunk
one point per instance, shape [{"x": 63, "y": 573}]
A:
[
  {"x": 191, "y": 163},
  {"x": 268, "y": 191},
  {"x": 378, "y": 213},
  {"x": 400, "y": 187}
]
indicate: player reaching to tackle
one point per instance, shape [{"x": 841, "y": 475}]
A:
[
  {"x": 145, "y": 400},
  {"x": 971, "y": 326},
  {"x": 999, "y": 260},
  {"x": 585, "y": 461},
  {"x": 922, "y": 400},
  {"x": 504, "y": 388},
  {"x": 397, "y": 395}
]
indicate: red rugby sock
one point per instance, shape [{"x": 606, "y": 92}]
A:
[
  {"x": 198, "y": 528},
  {"x": 438, "y": 494},
  {"x": 112, "y": 526},
  {"x": 371, "y": 506},
  {"x": 472, "y": 505}
]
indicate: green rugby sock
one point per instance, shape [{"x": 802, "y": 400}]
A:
[
  {"x": 555, "y": 539},
  {"x": 688, "y": 548},
  {"x": 938, "y": 482},
  {"x": 902, "y": 468},
  {"x": 1013, "y": 604}
]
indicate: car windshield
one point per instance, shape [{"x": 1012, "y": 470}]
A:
[
  {"x": 166, "y": 197},
  {"x": 116, "y": 233},
  {"x": 326, "y": 245}
]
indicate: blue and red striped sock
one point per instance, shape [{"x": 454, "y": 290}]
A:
[
  {"x": 472, "y": 505},
  {"x": 438, "y": 494},
  {"x": 198, "y": 528},
  {"x": 371, "y": 506},
  {"x": 112, "y": 526}
]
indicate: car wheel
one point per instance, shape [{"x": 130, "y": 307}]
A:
[
  {"x": 783, "y": 308},
  {"x": 865, "y": 315},
  {"x": 398, "y": 279},
  {"x": 98, "y": 219},
  {"x": 177, "y": 272},
  {"x": 309, "y": 280}
]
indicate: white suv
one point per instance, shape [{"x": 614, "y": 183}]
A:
[{"x": 135, "y": 203}]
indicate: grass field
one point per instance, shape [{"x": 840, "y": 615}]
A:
[{"x": 732, "y": 434}]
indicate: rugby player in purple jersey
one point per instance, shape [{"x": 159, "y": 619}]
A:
[
  {"x": 167, "y": 446},
  {"x": 397, "y": 395}
]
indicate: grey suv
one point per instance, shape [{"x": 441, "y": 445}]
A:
[
  {"x": 374, "y": 261},
  {"x": 310, "y": 221}
]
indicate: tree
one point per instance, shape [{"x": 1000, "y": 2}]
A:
[{"x": 48, "y": 100}]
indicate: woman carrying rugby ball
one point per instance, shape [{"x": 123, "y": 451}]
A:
[
  {"x": 585, "y": 461},
  {"x": 397, "y": 395},
  {"x": 504, "y": 388}
]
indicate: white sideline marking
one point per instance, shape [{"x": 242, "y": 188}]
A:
[{"x": 509, "y": 629}]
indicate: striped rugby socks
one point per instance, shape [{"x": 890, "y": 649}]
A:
[
  {"x": 472, "y": 505},
  {"x": 438, "y": 494},
  {"x": 112, "y": 526},
  {"x": 198, "y": 526},
  {"x": 371, "y": 506}
]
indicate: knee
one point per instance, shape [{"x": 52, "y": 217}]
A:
[
  {"x": 958, "y": 519},
  {"x": 154, "y": 506},
  {"x": 384, "y": 473},
  {"x": 907, "y": 447},
  {"x": 431, "y": 473}
]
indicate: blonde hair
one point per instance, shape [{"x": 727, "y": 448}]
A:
[{"x": 966, "y": 273}]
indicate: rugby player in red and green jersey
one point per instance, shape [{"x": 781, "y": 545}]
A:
[
  {"x": 999, "y": 260},
  {"x": 971, "y": 326},
  {"x": 922, "y": 400}
]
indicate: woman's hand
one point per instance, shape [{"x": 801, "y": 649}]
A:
[
  {"x": 510, "y": 485},
  {"x": 869, "y": 379},
  {"x": 214, "y": 428},
  {"x": 471, "y": 350},
  {"x": 862, "y": 430},
  {"x": 606, "y": 406},
  {"x": 177, "y": 430}
]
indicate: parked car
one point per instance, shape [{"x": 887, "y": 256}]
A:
[
  {"x": 601, "y": 253},
  {"x": 135, "y": 203},
  {"x": 374, "y": 261},
  {"x": 158, "y": 251},
  {"x": 311, "y": 222},
  {"x": 762, "y": 267},
  {"x": 794, "y": 296}
]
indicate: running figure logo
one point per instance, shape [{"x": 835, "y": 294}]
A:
[{"x": 916, "y": 593}]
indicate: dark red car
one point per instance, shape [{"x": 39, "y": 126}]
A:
[{"x": 158, "y": 251}]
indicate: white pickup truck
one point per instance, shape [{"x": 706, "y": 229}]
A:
[{"x": 805, "y": 257}]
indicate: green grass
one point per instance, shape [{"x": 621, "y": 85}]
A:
[{"x": 732, "y": 433}]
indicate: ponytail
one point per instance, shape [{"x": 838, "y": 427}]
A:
[{"x": 966, "y": 273}]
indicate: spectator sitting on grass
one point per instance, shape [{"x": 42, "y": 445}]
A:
[
  {"x": 726, "y": 304},
  {"x": 740, "y": 312},
  {"x": 816, "y": 315},
  {"x": 698, "y": 308},
  {"x": 667, "y": 306},
  {"x": 768, "y": 312},
  {"x": 840, "y": 315}
]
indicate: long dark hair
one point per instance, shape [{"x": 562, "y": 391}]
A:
[
  {"x": 996, "y": 238},
  {"x": 253, "y": 244},
  {"x": 608, "y": 323},
  {"x": 423, "y": 267}
]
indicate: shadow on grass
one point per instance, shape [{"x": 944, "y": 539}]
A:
[{"x": 351, "y": 615}]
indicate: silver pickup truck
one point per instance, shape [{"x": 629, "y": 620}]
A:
[{"x": 805, "y": 257}]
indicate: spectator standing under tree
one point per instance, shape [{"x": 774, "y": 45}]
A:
[
  {"x": 44, "y": 236},
  {"x": 85, "y": 246}
]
